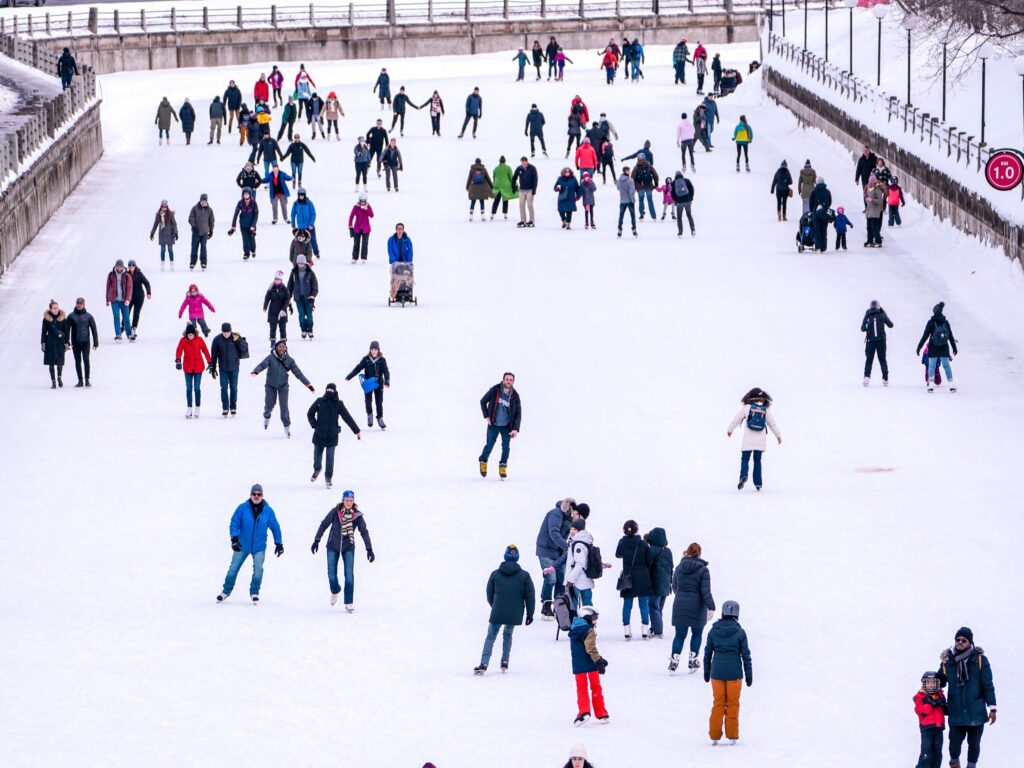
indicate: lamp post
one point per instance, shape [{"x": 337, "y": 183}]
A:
[
  {"x": 805, "y": 25},
  {"x": 783, "y": 18},
  {"x": 851, "y": 4},
  {"x": 944, "y": 82},
  {"x": 771, "y": 16},
  {"x": 984, "y": 54},
  {"x": 908, "y": 24},
  {"x": 879, "y": 12},
  {"x": 1018, "y": 66},
  {"x": 826, "y": 30}
]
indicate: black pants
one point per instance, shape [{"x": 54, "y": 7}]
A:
[
  {"x": 623, "y": 207},
  {"x": 605, "y": 165},
  {"x": 566, "y": 216},
  {"x": 539, "y": 135},
  {"x": 875, "y": 230},
  {"x": 957, "y": 733},
  {"x": 361, "y": 169},
  {"x": 378, "y": 395},
  {"x": 700, "y": 82},
  {"x": 289, "y": 125},
  {"x": 931, "y": 748},
  {"x": 465, "y": 122},
  {"x": 303, "y": 105},
  {"x": 840, "y": 240},
  {"x": 136, "y": 308},
  {"x": 399, "y": 118},
  {"x": 333, "y": 124},
  {"x": 871, "y": 349},
  {"x": 279, "y": 328},
  {"x": 742, "y": 147},
  {"x": 376, "y": 153},
  {"x": 780, "y": 203},
  {"x": 588, "y": 215},
  {"x": 552, "y": 68},
  {"x": 278, "y": 101},
  {"x": 56, "y": 371},
  {"x": 80, "y": 349},
  {"x": 499, "y": 199},
  {"x": 572, "y": 137},
  {"x": 360, "y": 242},
  {"x": 435, "y": 124},
  {"x": 248, "y": 243}
]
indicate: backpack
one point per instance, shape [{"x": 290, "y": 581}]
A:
[
  {"x": 940, "y": 335},
  {"x": 643, "y": 174},
  {"x": 564, "y": 613},
  {"x": 242, "y": 346},
  {"x": 577, "y": 108},
  {"x": 679, "y": 187},
  {"x": 594, "y": 569},
  {"x": 478, "y": 177},
  {"x": 756, "y": 417}
]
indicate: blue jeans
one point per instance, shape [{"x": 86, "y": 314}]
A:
[
  {"x": 266, "y": 166},
  {"x": 492, "y": 436},
  {"x": 553, "y": 582},
  {"x": 305, "y": 314},
  {"x": 933, "y": 363},
  {"x": 193, "y": 381},
  {"x": 297, "y": 172},
  {"x": 894, "y": 215},
  {"x": 228, "y": 389},
  {"x": 655, "y": 604},
  {"x": 318, "y": 456},
  {"x": 237, "y": 558},
  {"x": 168, "y": 249},
  {"x": 627, "y": 609},
  {"x": 65, "y": 79},
  {"x": 745, "y": 464},
  {"x": 506, "y": 643},
  {"x": 649, "y": 194},
  {"x": 695, "y": 638},
  {"x": 122, "y": 320},
  {"x": 347, "y": 559},
  {"x": 586, "y": 597},
  {"x": 680, "y": 71}
]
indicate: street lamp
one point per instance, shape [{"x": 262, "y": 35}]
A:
[
  {"x": 851, "y": 4},
  {"x": 771, "y": 16},
  {"x": 879, "y": 11},
  {"x": 805, "y": 25},
  {"x": 984, "y": 54},
  {"x": 1018, "y": 66},
  {"x": 783, "y": 18},
  {"x": 826, "y": 30},
  {"x": 944, "y": 81},
  {"x": 908, "y": 24}
]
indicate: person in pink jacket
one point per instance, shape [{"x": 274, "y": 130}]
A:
[
  {"x": 194, "y": 300},
  {"x": 667, "y": 203},
  {"x": 359, "y": 228},
  {"x": 276, "y": 81}
]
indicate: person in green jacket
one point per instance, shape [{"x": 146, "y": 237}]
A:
[
  {"x": 503, "y": 192},
  {"x": 742, "y": 134},
  {"x": 288, "y": 115},
  {"x": 726, "y": 663}
]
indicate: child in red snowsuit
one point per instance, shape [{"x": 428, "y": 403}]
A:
[
  {"x": 930, "y": 706},
  {"x": 587, "y": 666}
]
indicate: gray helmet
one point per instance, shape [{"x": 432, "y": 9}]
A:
[{"x": 731, "y": 608}]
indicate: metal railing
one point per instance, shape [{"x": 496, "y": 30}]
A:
[{"x": 390, "y": 12}]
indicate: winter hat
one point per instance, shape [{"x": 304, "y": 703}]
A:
[
  {"x": 225, "y": 327},
  {"x": 164, "y": 202},
  {"x": 348, "y": 495},
  {"x": 279, "y": 275},
  {"x": 257, "y": 488},
  {"x": 362, "y": 197},
  {"x": 579, "y": 524},
  {"x": 511, "y": 553},
  {"x": 583, "y": 510},
  {"x": 965, "y": 632},
  {"x": 532, "y": 106},
  {"x": 247, "y": 191},
  {"x": 872, "y": 179},
  {"x": 784, "y": 164},
  {"x": 190, "y": 330},
  {"x": 300, "y": 259},
  {"x": 807, "y": 163},
  {"x": 331, "y": 387},
  {"x": 578, "y": 750},
  {"x": 875, "y": 304},
  {"x": 937, "y": 309},
  {"x": 302, "y": 190},
  {"x": 281, "y": 343},
  {"x": 203, "y": 196},
  {"x": 131, "y": 263},
  {"x": 586, "y": 140},
  {"x": 119, "y": 263},
  {"x": 840, "y": 210},
  {"x": 332, "y": 95},
  {"x": 375, "y": 345},
  {"x": 819, "y": 180},
  {"x": 586, "y": 175},
  {"x": 191, "y": 288}
]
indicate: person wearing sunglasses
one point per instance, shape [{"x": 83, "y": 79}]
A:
[
  {"x": 249, "y": 526},
  {"x": 970, "y": 696}
]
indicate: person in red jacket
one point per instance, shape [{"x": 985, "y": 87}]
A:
[
  {"x": 579, "y": 108},
  {"x": 261, "y": 91},
  {"x": 930, "y": 706},
  {"x": 586, "y": 158},
  {"x": 189, "y": 358},
  {"x": 610, "y": 62}
]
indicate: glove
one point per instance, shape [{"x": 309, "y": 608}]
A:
[
  {"x": 351, "y": 232},
  {"x": 312, "y": 303},
  {"x": 992, "y": 716},
  {"x": 602, "y": 665},
  {"x": 175, "y": 238},
  {"x": 529, "y": 620},
  {"x": 177, "y": 364},
  {"x": 310, "y": 388},
  {"x": 279, "y": 549},
  {"x": 944, "y": 656},
  {"x": 549, "y": 569},
  {"x": 291, "y": 310},
  {"x": 235, "y": 545},
  {"x": 749, "y": 682},
  {"x": 151, "y": 237},
  {"x": 231, "y": 232},
  {"x": 315, "y": 547},
  {"x": 707, "y": 675},
  {"x": 213, "y": 372},
  {"x": 370, "y": 556}
]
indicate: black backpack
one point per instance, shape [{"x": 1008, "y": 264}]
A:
[
  {"x": 242, "y": 346},
  {"x": 594, "y": 569},
  {"x": 940, "y": 335},
  {"x": 643, "y": 174}
]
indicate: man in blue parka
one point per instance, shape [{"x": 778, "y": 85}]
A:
[
  {"x": 304, "y": 217},
  {"x": 970, "y": 696},
  {"x": 249, "y": 526},
  {"x": 399, "y": 245}
]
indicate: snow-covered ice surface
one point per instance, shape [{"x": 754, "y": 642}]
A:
[{"x": 887, "y": 519}]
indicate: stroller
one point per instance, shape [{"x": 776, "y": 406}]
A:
[
  {"x": 402, "y": 284},
  {"x": 805, "y": 235},
  {"x": 730, "y": 79}
]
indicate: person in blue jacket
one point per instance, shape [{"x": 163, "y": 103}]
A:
[
  {"x": 384, "y": 85},
  {"x": 842, "y": 223},
  {"x": 277, "y": 187},
  {"x": 711, "y": 115},
  {"x": 304, "y": 217},
  {"x": 474, "y": 111},
  {"x": 970, "y": 696},
  {"x": 399, "y": 245},
  {"x": 726, "y": 664},
  {"x": 249, "y": 526}
]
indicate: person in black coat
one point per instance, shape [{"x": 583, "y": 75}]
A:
[
  {"x": 821, "y": 218},
  {"x": 343, "y": 520},
  {"x": 373, "y": 366},
  {"x": 141, "y": 291},
  {"x": 873, "y": 327},
  {"x": 635, "y": 554},
  {"x": 54, "y": 341},
  {"x": 510, "y": 593},
  {"x": 524, "y": 181},
  {"x": 503, "y": 412},
  {"x": 865, "y": 167},
  {"x": 277, "y": 303},
  {"x": 693, "y": 605},
  {"x": 67, "y": 68},
  {"x": 80, "y": 325},
  {"x": 248, "y": 177},
  {"x": 224, "y": 354},
  {"x": 267, "y": 150},
  {"x": 323, "y": 417},
  {"x": 534, "y": 128},
  {"x": 938, "y": 334},
  {"x": 188, "y": 120},
  {"x": 232, "y": 102},
  {"x": 661, "y": 577},
  {"x": 782, "y": 185}
]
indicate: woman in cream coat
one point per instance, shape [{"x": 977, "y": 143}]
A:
[{"x": 757, "y": 415}]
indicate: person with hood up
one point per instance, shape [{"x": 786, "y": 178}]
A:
[
  {"x": 141, "y": 290},
  {"x": 661, "y": 579},
  {"x": 224, "y": 353},
  {"x": 782, "y": 188},
  {"x": 247, "y": 213},
  {"x": 164, "y": 113},
  {"x": 194, "y": 302},
  {"x": 165, "y": 225},
  {"x": 344, "y": 521},
  {"x": 568, "y": 190},
  {"x": 726, "y": 664},
  {"x": 359, "y": 228},
  {"x": 55, "y": 342},
  {"x": 578, "y": 584},
  {"x": 277, "y": 188},
  {"x": 315, "y": 114},
  {"x": 436, "y": 111},
  {"x": 534, "y": 128},
  {"x": 217, "y": 114},
  {"x": 479, "y": 187},
  {"x": 288, "y": 115},
  {"x": 938, "y": 334},
  {"x": 635, "y": 579},
  {"x": 873, "y": 327},
  {"x": 636, "y": 58},
  {"x": 588, "y": 190},
  {"x": 261, "y": 90},
  {"x": 201, "y": 220},
  {"x": 303, "y": 217},
  {"x": 276, "y": 80},
  {"x": 575, "y": 131},
  {"x": 383, "y": 85},
  {"x": 67, "y": 68},
  {"x": 971, "y": 696},
  {"x": 681, "y": 190},
  {"x": 80, "y": 325},
  {"x": 303, "y": 288},
  {"x": 249, "y": 527},
  {"x": 474, "y": 111},
  {"x": 644, "y": 152},
  {"x": 392, "y": 162},
  {"x": 277, "y": 303},
  {"x": 646, "y": 178},
  {"x": 296, "y": 154},
  {"x": 578, "y": 757},
  {"x": 756, "y": 411},
  {"x": 610, "y": 63},
  {"x": 246, "y": 128},
  {"x": 232, "y": 103},
  {"x": 188, "y": 357},
  {"x": 188, "y": 120},
  {"x": 551, "y": 550},
  {"x": 692, "y": 607},
  {"x": 119, "y": 295},
  {"x": 820, "y": 195},
  {"x": 333, "y": 111},
  {"x": 373, "y": 366},
  {"x": 503, "y": 188},
  {"x": 361, "y": 158},
  {"x": 278, "y": 365},
  {"x": 685, "y": 134},
  {"x": 304, "y": 86},
  {"x": 627, "y": 198},
  {"x": 805, "y": 185},
  {"x": 323, "y": 417},
  {"x": 510, "y": 593},
  {"x": 587, "y": 667}
]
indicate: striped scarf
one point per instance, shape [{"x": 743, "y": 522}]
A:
[{"x": 347, "y": 517}]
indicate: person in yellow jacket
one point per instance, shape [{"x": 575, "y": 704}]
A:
[{"x": 742, "y": 134}]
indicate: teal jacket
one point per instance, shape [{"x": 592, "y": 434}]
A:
[
  {"x": 743, "y": 134},
  {"x": 726, "y": 654}
]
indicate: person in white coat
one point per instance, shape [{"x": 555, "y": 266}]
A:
[
  {"x": 757, "y": 413},
  {"x": 580, "y": 542}
]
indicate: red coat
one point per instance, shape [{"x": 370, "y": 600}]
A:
[
  {"x": 191, "y": 353},
  {"x": 930, "y": 709},
  {"x": 126, "y": 280},
  {"x": 610, "y": 60},
  {"x": 261, "y": 90},
  {"x": 586, "y": 157},
  {"x": 585, "y": 115}
]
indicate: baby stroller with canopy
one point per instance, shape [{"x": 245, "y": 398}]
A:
[
  {"x": 805, "y": 234},
  {"x": 402, "y": 284}
]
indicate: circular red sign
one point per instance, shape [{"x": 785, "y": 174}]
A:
[{"x": 1004, "y": 170}]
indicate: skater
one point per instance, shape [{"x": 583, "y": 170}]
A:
[
  {"x": 560, "y": 59},
  {"x": 303, "y": 289},
  {"x": 644, "y": 152},
  {"x": 667, "y": 203},
  {"x": 726, "y": 664},
  {"x": 164, "y": 113},
  {"x": 503, "y": 411},
  {"x": 377, "y": 138},
  {"x": 578, "y": 583},
  {"x": 510, "y": 594},
  {"x": 627, "y": 198},
  {"x": 701, "y": 65},
  {"x": 586, "y": 158},
  {"x": 333, "y": 111},
  {"x": 534, "y": 128},
  {"x": 343, "y": 520},
  {"x": 261, "y": 90},
  {"x": 392, "y": 162},
  {"x": 782, "y": 188},
  {"x": 568, "y": 190},
  {"x": 524, "y": 181},
  {"x": 521, "y": 59},
  {"x": 269, "y": 151},
  {"x": 399, "y": 246},
  {"x": 119, "y": 293},
  {"x": 661, "y": 579},
  {"x": 537, "y": 53},
  {"x": 188, "y": 357},
  {"x": 680, "y": 57},
  {"x": 549, "y": 54},
  {"x": 842, "y": 223},
  {"x": 278, "y": 365},
  {"x": 551, "y": 551},
  {"x": 201, "y": 220},
  {"x": 188, "y": 120},
  {"x": 303, "y": 218},
  {"x": 805, "y": 185},
  {"x": 315, "y": 115},
  {"x": 635, "y": 578},
  {"x": 246, "y": 123},
  {"x": 323, "y": 417},
  {"x": 874, "y": 204},
  {"x": 577, "y": 757},
  {"x": 248, "y": 177},
  {"x": 646, "y": 178},
  {"x": 821, "y": 217},
  {"x": 865, "y": 167},
  {"x": 685, "y": 133},
  {"x": 67, "y": 68},
  {"x": 895, "y": 200},
  {"x": 873, "y": 327},
  {"x": 971, "y": 696},
  {"x": 757, "y": 413},
  {"x": 575, "y": 131},
  {"x": 479, "y": 187},
  {"x": 195, "y": 301},
  {"x": 225, "y": 354},
  {"x": 300, "y": 247},
  {"x": 55, "y": 342},
  {"x": 700, "y": 127},
  {"x": 249, "y": 527},
  {"x": 578, "y": 107},
  {"x": 608, "y": 131},
  {"x": 382, "y": 87},
  {"x": 607, "y": 157},
  {"x": 636, "y": 58},
  {"x": 277, "y": 303},
  {"x": 681, "y": 192},
  {"x": 693, "y": 606},
  {"x": 373, "y": 367},
  {"x": 359, "y": 228},
  {"x": 277, "y": 188},
  {"x": 401, "y": 102},
  {"x": 217, "y": 114},
  {"x": 247, "y": 213},
  {"x": 361, "y": 157},
  {"x": 436, "y": 111},
  {"x": 742, "y": 134},
  {"x": 166, "y": 226},
  {"x": 474, "y": 111},
  {"x": 276, "y": 81},
  {"x": 304, "y": 86},
  {"x": 587, "y": 667},
  {"x": 938, "y": 334},
  {"x": 503, "y": 191},
  {"x": 232, "y": 103},
  {"x": 296, "y": 154},
  {"x": 930, "y": 706},
  {"x": 610, "y": 63},
  {"x": 587, "y": 195},
  {"x": 80, "y": 325},
  {"x": 141, "y": 290},
  {"x": 288, "y": 115},
  {"x": 716, "y": 70}
]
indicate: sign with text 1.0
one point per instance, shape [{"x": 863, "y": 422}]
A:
[{"x": 1004, "y": 169}]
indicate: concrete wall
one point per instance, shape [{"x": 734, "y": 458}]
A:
[
  {"x": 215, "y": 48},
  {"x": 948, "y": 199},
  {"x": 29, "y": 202}
]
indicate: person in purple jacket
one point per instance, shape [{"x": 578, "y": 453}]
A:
[{"x": 359, "y": 228}]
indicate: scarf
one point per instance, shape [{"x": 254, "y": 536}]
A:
[
  {"x": 347, "y": 517},
  {"x": 962, "y": 668}
]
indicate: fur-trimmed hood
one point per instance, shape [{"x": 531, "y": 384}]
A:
[{"x": 61, "y": 317}]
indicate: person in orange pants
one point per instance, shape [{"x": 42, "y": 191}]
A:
[
  {"x": 587, "y": 667},
  {"x": 726, "y": 664}
]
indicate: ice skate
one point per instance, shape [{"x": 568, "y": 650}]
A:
[
  {"x": 188, "y": 413},
  {"x": 369, "y": 420},
  {"x": 867, "y": 381},
  {"x": 266, "y": 423},
  {"x": 581, "y": 719},
  {"x": 645, "y": 631},
  {"x": 483, "y": 469},
  {"x": 349, "y": 608},
  {"x": 741, "y": 483},
  {"x": 287, "y": 432},
  {"x": 504, "y": 666},
  {"x": 196, "y": 414},
  {"x": 380, "y": 422},
  {"x": 673, "y": 663},
  {"x": 255, "y": 599},
  {"x": 334, "y": 599},
  {"x": 693, "y": 663},
  {"x": 479, "y": 671},
  {"x": 627, "y": 630},
  {"x": 315, "y": 475},
  {"x": 222, "y": 597}
]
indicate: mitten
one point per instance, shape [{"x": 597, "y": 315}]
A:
[
  {"x": 351, "y": 232},
  {"x": 370, "y": 556},
  {"x": 529, "y": 620},
  {"x": 177, "y": 364},
  {"x": 549, "y": 569},
  {"x": 312, "y": 303},
  {"x": 315, "y": 547},
  {"x": 602, "y": 664},
  {"x": 279, "y": 549},
  {"x": 44, "y": 349},
  {"x": 310, "y": 388},
  {"x": 235, "y": 545},
  {"x": 291, "y": 310},
  {"x": 231, "y": 231}
]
